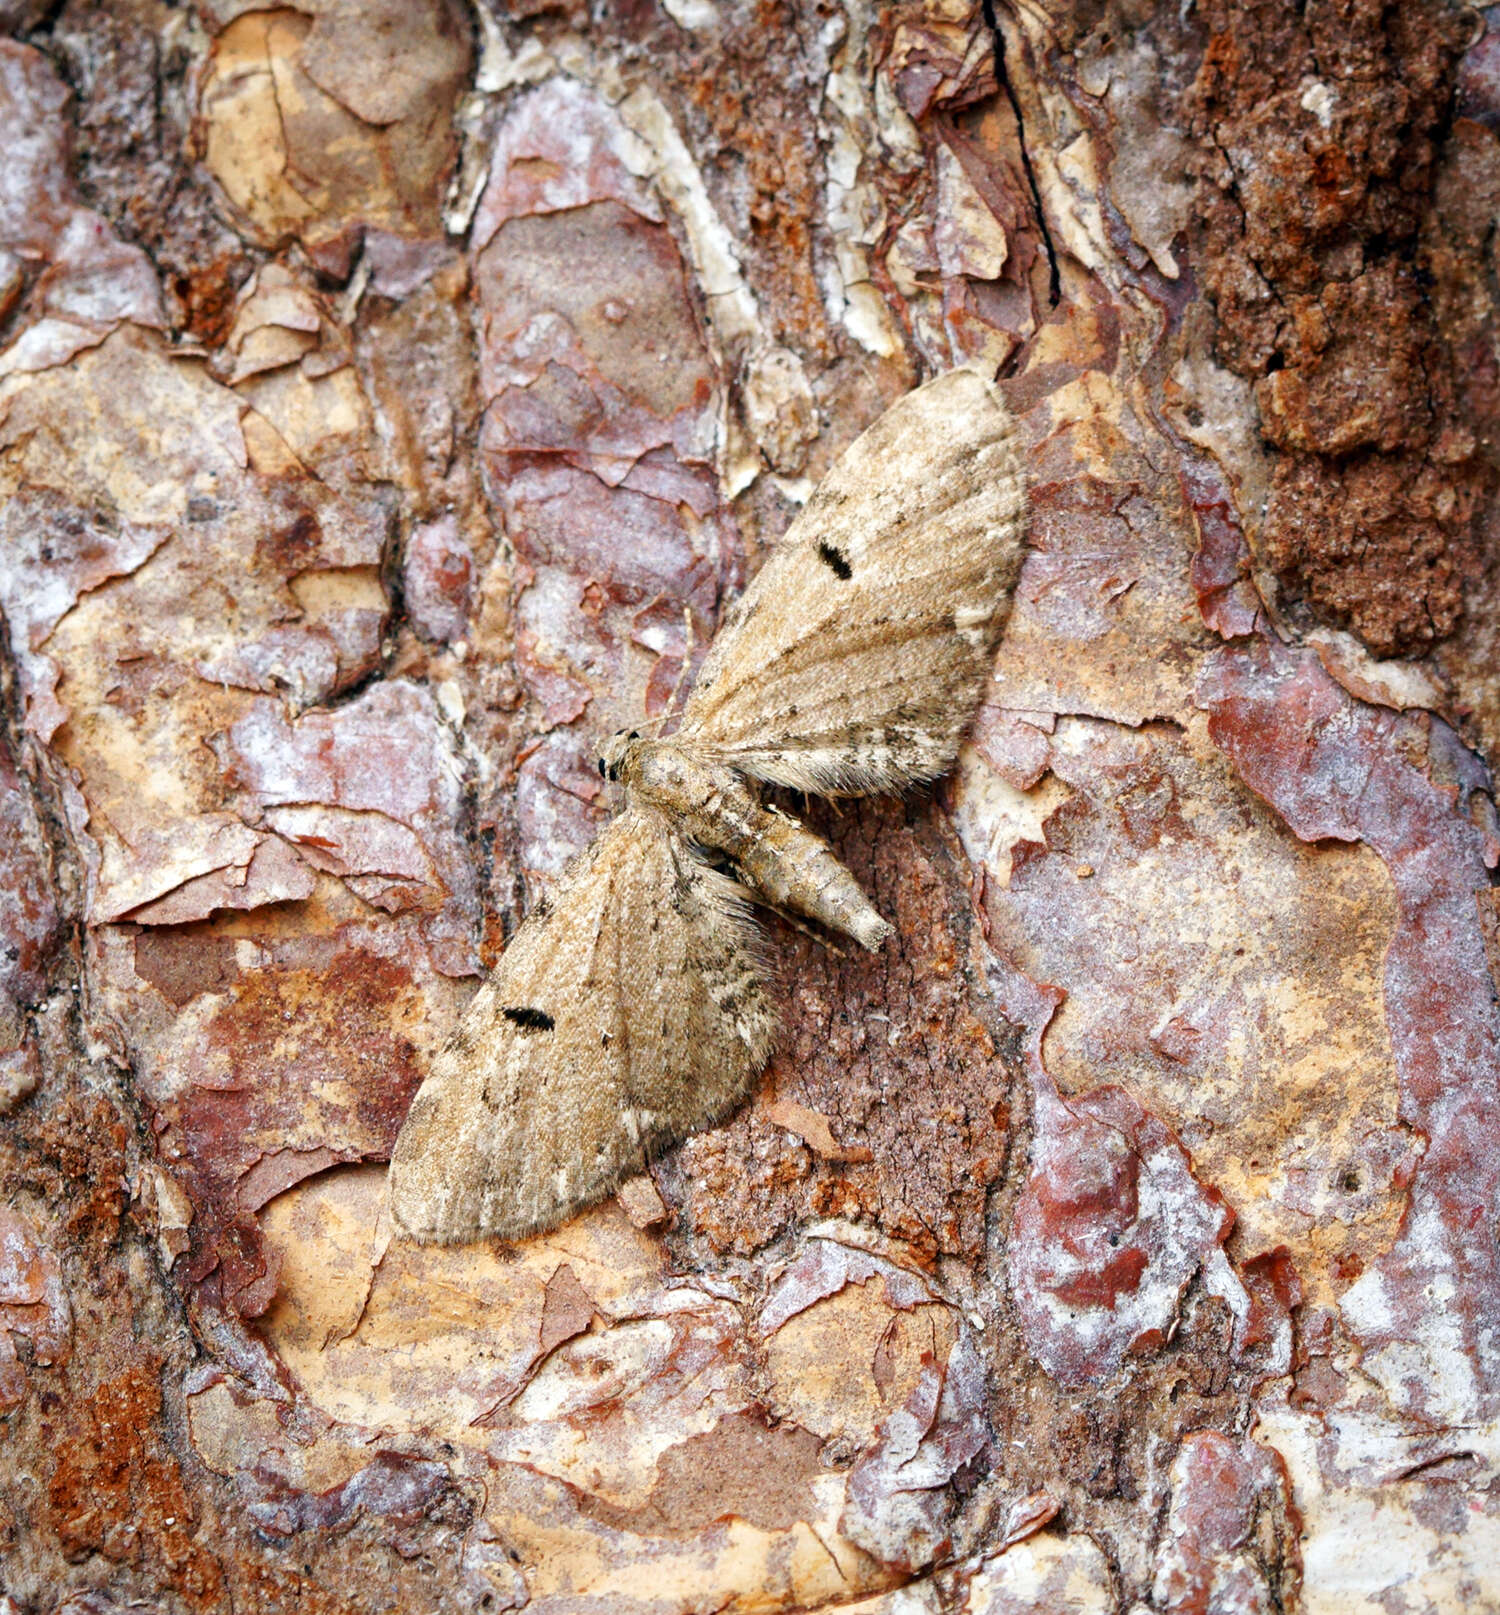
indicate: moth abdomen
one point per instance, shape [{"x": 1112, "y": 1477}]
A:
[{"x": 794, "y": 869}]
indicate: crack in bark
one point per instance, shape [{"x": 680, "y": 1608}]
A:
[{"x": 1054, "y": 279}]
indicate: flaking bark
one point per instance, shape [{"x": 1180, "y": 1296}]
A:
[{"x": 394, "y": 400}]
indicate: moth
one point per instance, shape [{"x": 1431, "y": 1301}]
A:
[{"x": 632, "y": 1007}]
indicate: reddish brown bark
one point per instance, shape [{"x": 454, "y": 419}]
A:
[{"x": 392, "y": 395}]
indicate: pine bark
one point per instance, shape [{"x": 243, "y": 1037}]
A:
[{"x": 393, "y": 395}]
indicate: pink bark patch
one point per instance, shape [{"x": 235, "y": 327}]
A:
[
  {"x": 598, "y": 444},
  {"x": 1112, "y": 1224},
  {"x": 1402, "y": 784},
  {"x": 1213, "y": 1556}
]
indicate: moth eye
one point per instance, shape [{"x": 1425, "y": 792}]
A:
[
  {"x": 633, "y": 735},
  {"x": 603, "y": 771}
]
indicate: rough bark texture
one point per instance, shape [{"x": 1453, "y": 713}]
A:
[{"x": 392, "y": 394}]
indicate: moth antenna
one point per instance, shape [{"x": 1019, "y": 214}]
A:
[
  {"x": 688, "y": 638},
  {"x": 820, "y": 937}
]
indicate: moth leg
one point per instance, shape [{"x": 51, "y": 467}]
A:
[{"x": 820, "y": 937}]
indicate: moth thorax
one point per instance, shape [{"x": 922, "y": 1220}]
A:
[{"x": 677, "y": 778}]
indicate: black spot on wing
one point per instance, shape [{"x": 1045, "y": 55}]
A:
[
  {"x": 528, "y": 1019},
  {"x": 835, "y": 560}
]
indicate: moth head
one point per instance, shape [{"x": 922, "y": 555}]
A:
[{"x": 613, "y": 752}]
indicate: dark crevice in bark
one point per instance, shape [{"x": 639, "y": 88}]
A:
[{"x": 1054, "y": 279}]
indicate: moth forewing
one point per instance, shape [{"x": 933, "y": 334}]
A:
[
  {"x": 855, "y": 659},
  {"x": 625, "y": 1013}
]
